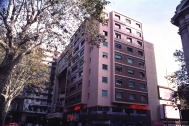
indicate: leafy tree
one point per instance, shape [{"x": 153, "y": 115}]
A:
[
  {"x": 180, "y": 79},
  {"x": 25, "y": 25},
  {"x": 30, "y": 72}
]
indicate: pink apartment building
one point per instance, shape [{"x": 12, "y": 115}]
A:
[{"x": 108, "y": 85}]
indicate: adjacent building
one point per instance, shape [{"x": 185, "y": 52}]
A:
[{"x": 181, "y": 20}]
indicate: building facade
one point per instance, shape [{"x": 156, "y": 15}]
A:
[
  {"x": 109, "y": 85},
  {"x": 181, "y": 20}
]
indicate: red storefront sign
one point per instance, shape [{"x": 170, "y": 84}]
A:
[{"x": 142, "y": 107}]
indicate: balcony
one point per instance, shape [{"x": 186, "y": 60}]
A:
[
  {"x": 35, "y": 96},
  {"x": 38, "y": 103},
  {"x": 108, "y": 112},
  {"x": 55, "y": 115}
]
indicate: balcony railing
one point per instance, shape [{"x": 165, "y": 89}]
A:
[
  {"x": 117, "y": 113},
  {"x": 39, "y": 103}
]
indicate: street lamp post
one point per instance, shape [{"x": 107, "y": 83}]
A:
[
  {"x": 47, "y": 122},
  {"x": 179, "y": 107}
]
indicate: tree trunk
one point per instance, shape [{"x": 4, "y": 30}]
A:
[
  {"x": 4, "y": 106},
  {"x": 4, "y": 74},
  {"x": 5, "y": 70}
]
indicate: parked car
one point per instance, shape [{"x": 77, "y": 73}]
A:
[
  {"x": 11, "y": 124},
  {"x": 29, "y": 124}
]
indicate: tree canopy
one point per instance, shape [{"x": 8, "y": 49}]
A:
[
  {"x": 27, "y": 24},
  {"x": 180, "y": 79}
]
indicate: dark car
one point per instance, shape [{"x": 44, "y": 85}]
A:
[{"x": 11, "y": 124}]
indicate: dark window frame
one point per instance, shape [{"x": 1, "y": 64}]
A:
[
  {"x": 129, "y": 49},
  {"x": 131, "y": 73},
  {"x": 104, "y": 67},
  {"x": 104, "y": 79},
  {"x": 132, "y": 82},
  {"x": 105, "y": 44},
  {"x": 118, "y": 46},
  {"x": 117, "y": 92}
]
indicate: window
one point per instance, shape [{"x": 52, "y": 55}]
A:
[
  {"x": 69, "y": 64},
  {"x": 73, "y": 89},
  {"x": 66, "y": 102},
  {"x": 139, "y": 43},
  {"x": 119, "y": 94},
  {"x": 105, "y": 33},
  {"x": 105, "y": 55},
  {"x": 129, "y": 60},
  {"x": 69, "y": 72},
  {"x": 118, "y": 68},
  {"x": 104, "y": 67},
  {"x": 75, "y": 35},
  {"x": 129, "y": 40},
  {"x": 82, "y": 52},
  {"x": 75, "y": 59},
  {"x": 105, "y": 43},
  {"x": 141, "y": 74},
  {"x": 81, "y": 62},
  {"x": 132, "y": 96},
  {"x": 80, "y": 73},
  {"x": 131, "y": 71},
  {"x": 138, "y": 34},
  {"x": 79, "y": 97},
  {"x": 138, "y": 25},
  {"x": 142, "y": 86},
  {"x": 129, "y": 49},
  {"x": 131, "y": 84},
  {"x": 74, "y": 68},
  {"x": 118, "y": 57},
  {"x": 118, "y": 46},
  {"x": 104, "y": 79},
  {"x": 118, "y": 35},
  {"x": 118, "y": 81},
  {"x": 143, "y": 98},
  {"x": 79, "y": 85},
  {"x": 128, "y": 21},
  {"x": 128, "y": 30},
  {"x": 141, "y": 63},
  {"x": 76, "y": 49},
  {"x": 68, "y": 82},
  {"x": 72, "y": 100},
  {"x": 89, "y": 71},
  {"x": 140, "y": 53},
  {"x": 104, "y": 93},
  {"x": 90, "y": 60},
  {"x": 75, "y": 43},
  {"x": 82, "y": 42},
  {"x": 117, "y": 16},
  {"x": 118, "y": 26},
  {"x": 105, "y": 23},
  {"x": 73, "y": 78}
]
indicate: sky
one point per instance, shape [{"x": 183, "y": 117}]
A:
[{"x": 155, "y": 16}]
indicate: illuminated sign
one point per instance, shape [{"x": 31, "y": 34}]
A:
[
  {"x": 70, "y": 117},
  {"x": 169, "y": 112},
  {"x": 165, "y": 93},
  {"x": 78, "y": 107},
  {"x": 138, "y": 107},
  {"x": 73, "y": 117}
]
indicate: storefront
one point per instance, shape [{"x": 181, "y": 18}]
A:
[{"x": 132, "y": 115}]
